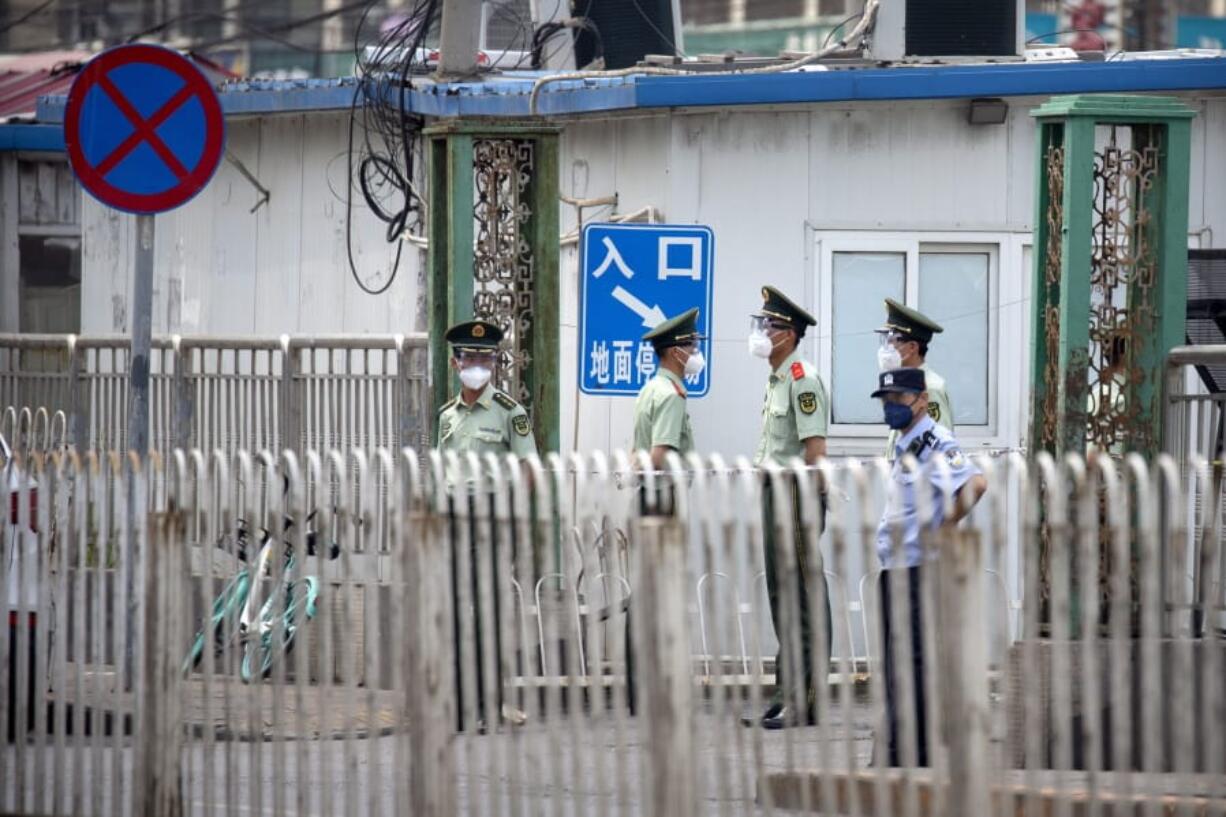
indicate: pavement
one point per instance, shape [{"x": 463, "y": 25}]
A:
[{"x": 587, "y": 764}]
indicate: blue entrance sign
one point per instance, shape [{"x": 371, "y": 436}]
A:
[{"x": 634, "y": 277}]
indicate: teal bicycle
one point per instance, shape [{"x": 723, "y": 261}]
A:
[{"x": 259, "y": 631}]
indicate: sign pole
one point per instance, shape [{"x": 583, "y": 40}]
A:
[
  {"x": 142, "y": 332},
  {"x": 138, "y": 416},
  {"x": 144, "y": 133}
]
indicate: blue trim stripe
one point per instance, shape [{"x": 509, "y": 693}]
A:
[
  {"x": 253, "y": 97},
  {"x": 508, "y": 95},
  {"x": 32, "y": 137},
  {"x": 933, "y": 82}
]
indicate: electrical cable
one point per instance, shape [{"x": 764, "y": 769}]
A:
[
  {"x": 677, "y": 52},
  {"x": 36, "y": 10},
  {"x": 382, "y": 159},
  {"x": 259, "y": 33},
  {"x": 546, "y": 30},
  {"x": 860, "y": 32},
  {"x": 267, "y": 32},
  {"x": 291, "y": 25},
  {"x": 831, "y": 32}
]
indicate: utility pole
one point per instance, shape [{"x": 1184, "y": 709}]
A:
[{"x": 460, "y": 39}]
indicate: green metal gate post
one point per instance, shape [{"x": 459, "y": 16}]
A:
[
  {"x": 1110, "y": 273},
  {"x": 493, "y": 230}
]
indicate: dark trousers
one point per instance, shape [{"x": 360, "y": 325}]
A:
[
  {"x": 787, "y": 676},
  {"x": 474, "y": 598},
  {"x": 913, "y": 625}
]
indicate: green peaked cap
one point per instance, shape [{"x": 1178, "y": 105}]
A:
[
  {"x": 675, "y": 331},
  {"x": 780, "y": 307},
  {"x": 480, "y": 336},
  {"x": 909, "y": 322}
]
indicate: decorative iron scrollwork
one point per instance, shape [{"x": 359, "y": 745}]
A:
[
  {"x": 503, "y": 266},
  {"x": 1052, "y": 261},
  {"x": 1123, "y": 273}
]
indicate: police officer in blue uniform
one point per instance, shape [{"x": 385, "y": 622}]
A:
[{"x": 904, "y": 399}]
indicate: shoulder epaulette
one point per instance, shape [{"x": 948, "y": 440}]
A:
[
  {"x": 447, "y": 405},
  {"x": 504, "y": 401},
  {"x": 798, "y": 371}
]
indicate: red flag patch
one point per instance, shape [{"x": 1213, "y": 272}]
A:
[{"x": 798, "y": 371}]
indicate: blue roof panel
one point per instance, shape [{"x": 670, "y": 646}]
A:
[
  {"x": 933, "y": 82},
  {"x": 508, "y": 94}
]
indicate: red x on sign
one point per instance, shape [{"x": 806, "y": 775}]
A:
[{"x": 143, "y": 128}]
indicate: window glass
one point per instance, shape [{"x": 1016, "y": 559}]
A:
[
  {"x": 861, "y": 282},
  {"x": 954, "y": 291},
  {"x": 50, "y": 295}
]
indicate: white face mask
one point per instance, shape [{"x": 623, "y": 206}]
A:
[
  {"x": 888, "y": 358},
  {"x": 475, "y": 377},
  {"x": 694, "y": 364},
  {"x": 759, "y": 344}
]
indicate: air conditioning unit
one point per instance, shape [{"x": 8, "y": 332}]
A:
[
  {"x": 910, "y": 29},
  {"x": 628, "y": 30}
]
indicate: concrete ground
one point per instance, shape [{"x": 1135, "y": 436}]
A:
[{"x": 582, "y": 765}]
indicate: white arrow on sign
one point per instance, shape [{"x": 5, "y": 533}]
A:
[{"x": 651, "y": 315}]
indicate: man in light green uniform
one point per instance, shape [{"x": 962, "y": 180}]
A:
[
  {"x": 661, "y": 422},
  {"x": 481, "y": 419},
  {"x": 904, "y": 345},
  {"x": 794, "y": 419}
]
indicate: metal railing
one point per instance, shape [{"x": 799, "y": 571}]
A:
[
  {"x": 230, "y": 393},
  {"x": 529, "y": 641}
]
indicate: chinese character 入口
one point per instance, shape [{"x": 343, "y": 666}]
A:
[
  {"x": 680, "y": 257},
  {"x": 612, "y": 257}
]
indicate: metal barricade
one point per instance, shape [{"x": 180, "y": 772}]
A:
[
  {"x": 230, "y": 394},
  {"x": 527, "y": 641}
]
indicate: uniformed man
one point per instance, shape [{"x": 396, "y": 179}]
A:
[
  {"x": 481, "y": 419},
  {"x": 661, "y": 422},
  {"x": 905, "y": 401},
  {"x": 904, "y": 344},
  {"x": 794, "y": 419}
]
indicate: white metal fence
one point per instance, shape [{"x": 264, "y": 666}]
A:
[
  {"x": 229, "y": 393},
  {"x": 525, "y": 641}
]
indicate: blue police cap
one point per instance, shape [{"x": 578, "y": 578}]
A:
[{"x": 900, "y": 381}]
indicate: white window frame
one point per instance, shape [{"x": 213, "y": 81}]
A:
[{"x": 1008, "y": 300}]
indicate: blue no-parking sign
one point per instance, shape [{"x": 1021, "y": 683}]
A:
[
  {"x": 143, "y": 128},
  {"x": 634, "y": 277}
]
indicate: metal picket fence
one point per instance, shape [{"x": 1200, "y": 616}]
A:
[
  {"x": 229, "y": 393},
  {"x": 531, "y": 642}
]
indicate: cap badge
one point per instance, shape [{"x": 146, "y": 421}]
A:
[
  {"x": 887, "y": 380},
  {"x": 478, "y": 331}
]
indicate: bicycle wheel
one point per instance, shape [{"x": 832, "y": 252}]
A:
[
  {"x": 300, "y": 602},
  {"x": 227, "y": 604}
]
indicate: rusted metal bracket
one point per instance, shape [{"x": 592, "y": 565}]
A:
[{"x": 265, "y": 195}]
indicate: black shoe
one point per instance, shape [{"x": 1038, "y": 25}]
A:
[
  {"x": 772, "y": 711},
  {"x": 787, "y": 716}
]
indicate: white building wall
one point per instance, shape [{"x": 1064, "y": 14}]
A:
[
  {"x": 772, "y": 181},
  {"x": 769, "y": 181},
  {"x": 222, "y": 269}
]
